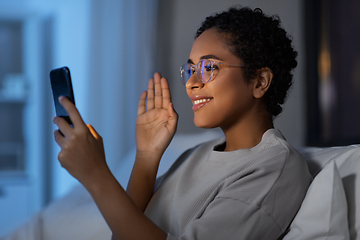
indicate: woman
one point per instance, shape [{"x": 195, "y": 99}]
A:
[{"x": 246, "y": 186}]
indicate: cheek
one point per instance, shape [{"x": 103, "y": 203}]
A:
[{"x": 233, "y": 99}]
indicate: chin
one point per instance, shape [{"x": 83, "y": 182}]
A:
[{"x": 204, "y": 124}]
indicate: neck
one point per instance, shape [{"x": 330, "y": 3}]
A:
[{"x": 247, "y": 134}]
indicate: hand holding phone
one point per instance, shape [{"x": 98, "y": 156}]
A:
[{"x": 61, "y": 85}]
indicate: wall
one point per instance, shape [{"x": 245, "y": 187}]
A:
[
  {"x": 178, "y": 22},
  {"x": 53, "y": 35},
  {"x": 108, "y": 47}
]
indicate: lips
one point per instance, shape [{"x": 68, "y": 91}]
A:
[{"x": 199, "y": 102}]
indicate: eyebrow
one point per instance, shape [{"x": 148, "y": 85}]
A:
[{"x": 210, "y": 56}]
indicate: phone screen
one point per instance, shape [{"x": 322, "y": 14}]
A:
[{"x": 61, "y": 85}]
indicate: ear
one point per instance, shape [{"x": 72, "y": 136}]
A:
[{"x": 262, "y": 82}]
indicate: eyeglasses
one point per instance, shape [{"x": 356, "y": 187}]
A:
[{"x": 205, "y": 69}]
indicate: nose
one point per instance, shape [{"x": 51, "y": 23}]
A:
[{"x": 194, "y": 82}]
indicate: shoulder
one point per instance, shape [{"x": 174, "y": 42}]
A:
[
  {"x": 274, "y": 146},
  {"x": 294, "y": 163},
  {"x": 284, "y": 162},
  {"x": 275, "y": 182},
  {"x": 271, "y": 167}
]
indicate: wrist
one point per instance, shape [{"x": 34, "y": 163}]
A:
[
  {"x": 98, "y": 179},
  {"x": 149, "y": 158}
]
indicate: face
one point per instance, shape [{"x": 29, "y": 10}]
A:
[{"x": 227, "y": 99}]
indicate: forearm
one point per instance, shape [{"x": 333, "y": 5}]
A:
[
  {"x": 124, "y": 218},
  {"x": 142, "y": 180}
]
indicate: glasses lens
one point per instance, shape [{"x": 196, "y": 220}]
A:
[
  {"x": 186, "y": 72},
  {"x": 205, "y": 70}
]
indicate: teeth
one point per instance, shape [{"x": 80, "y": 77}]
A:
[{"x": 201, "y": 101}]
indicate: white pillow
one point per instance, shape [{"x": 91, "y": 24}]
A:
[
  {"x": 323, "y": 213},
  {"x": 347, "y": 159}
]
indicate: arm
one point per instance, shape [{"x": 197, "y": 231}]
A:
[
  {"x": 155, "y": 127},
  {"x": 82, "y": 154}
]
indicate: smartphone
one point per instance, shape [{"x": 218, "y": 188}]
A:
[{"x": 61, "y": 85}]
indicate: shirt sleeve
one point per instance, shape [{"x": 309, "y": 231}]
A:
[{"x": 215, "y": 224}]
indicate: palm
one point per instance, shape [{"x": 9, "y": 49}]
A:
[
  {"x": 153, "y": 130},
  {"x": 156, "y": 121}
]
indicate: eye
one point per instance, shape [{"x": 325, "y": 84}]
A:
[
  {"x": 212, "y": 65},
  {"x": 215, "y": 66},
  {"x": 208, "y": 66}
]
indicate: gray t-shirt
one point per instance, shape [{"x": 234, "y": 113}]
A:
[{"x": 243, "y": 194}]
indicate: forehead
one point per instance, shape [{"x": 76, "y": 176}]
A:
[{"x": 211, "y": 42}]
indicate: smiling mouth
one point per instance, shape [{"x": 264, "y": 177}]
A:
[{"x": 201, "y": 101}]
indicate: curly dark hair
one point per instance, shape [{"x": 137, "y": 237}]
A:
[{"x": 259, "y": 41}]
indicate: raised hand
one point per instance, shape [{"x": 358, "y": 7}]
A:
[
  {"x": 157, "y": 120},
  {"x": 155, "y": 127}
]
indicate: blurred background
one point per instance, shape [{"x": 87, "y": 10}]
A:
[{"x": 112, "y": 48}]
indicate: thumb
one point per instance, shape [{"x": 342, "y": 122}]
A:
[{"x": 173, "y": 116}]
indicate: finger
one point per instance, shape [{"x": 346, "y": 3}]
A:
[
  {"x": 72, "y": 111},
  {"x": 158, "y": 91},
  {"x": 150, "y": 95},
  {"x": 59, "y": 138},
  {"x": 142, "y": 104},
  {"x": 166, "y": 96},
  {"x": 173, "y": 117},
  {"x": 63, "y": 125},
  {"x": 95, "y": 134}
]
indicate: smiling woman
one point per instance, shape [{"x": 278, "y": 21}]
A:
[{"x": 248, "y": 185}]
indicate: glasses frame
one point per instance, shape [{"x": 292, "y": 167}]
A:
[{"x": 196, "y": 68}]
